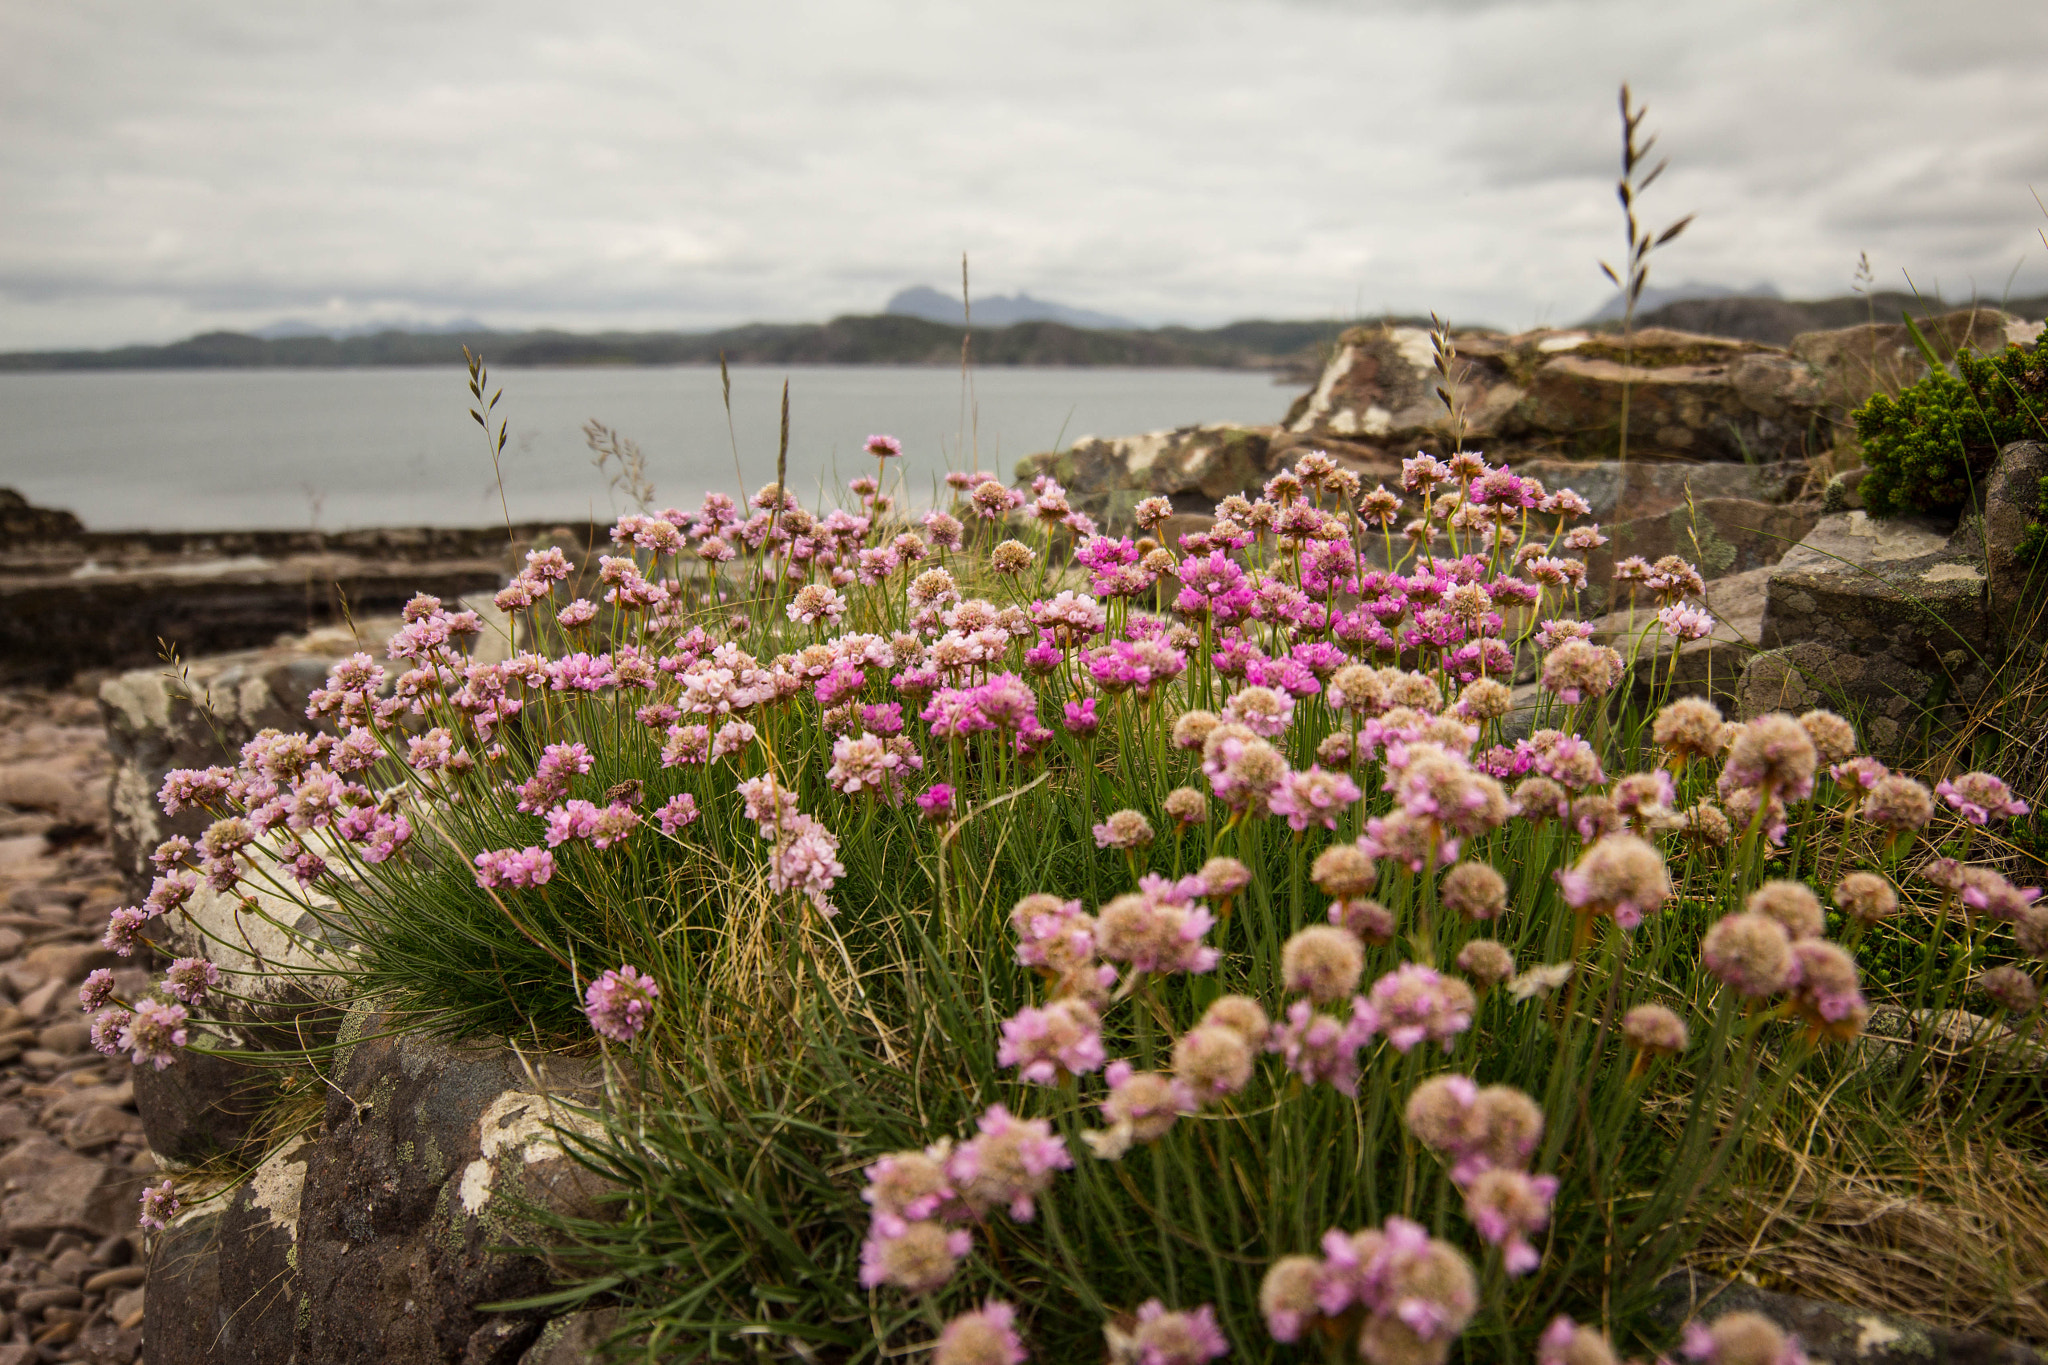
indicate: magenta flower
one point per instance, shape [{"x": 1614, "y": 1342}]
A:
[
  {"x": 188, "y": 979},
  {"x": 619, "y": 1002},
  {"x": 1414, "y": 1002},
  {"x": 1007, "y": 1164},
  {"x": 159, "y": 1206},
  {"x": 154, "y": 1033},
  {"x": 1063, "y": 1038},
  {"x": 1163, "y": 1338},
  {"x": 1322, "y": 1047},
  {"x": 680, "y": 810},
  {"x": 520, "y": 868},
  {"x": 883, "y": 447},
  {"x": 1314, "y": 796},
  {"x": 1081, "y": 718},
  {"x": 937, "y": 801},
  {"x": 986, "y": 1336}
]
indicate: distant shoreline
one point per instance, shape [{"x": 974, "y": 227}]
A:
[{"x": 1285, "y": 347}]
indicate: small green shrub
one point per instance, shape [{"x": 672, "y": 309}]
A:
[{"x": 1926, "y": 447}]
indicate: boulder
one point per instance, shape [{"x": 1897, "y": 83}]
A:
[
  {"x": 184, "y": 1321},
  {"x": 1884, "y": 696},
  {"x": 1194, "y": 466},
  {"x": 1690, "y": 397},
  {"x": 573, "y": 1339},
  {"x": 1834, "y": 1333},
  {"x": 1721, "y": 537},
  {"x": 1709, "y": 667},
  {"x": 1850, "y": 364},
  {"x": 1628, "y": 490},
  {"x": 1903, "y": 588}
]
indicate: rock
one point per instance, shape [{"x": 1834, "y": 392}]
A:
[
  {"x": 258, "y": 1230},
  {"x": 1852, "y": 363},
  {"x": 1884, "y": 696},
  {"x": 23, "y": 524},
  {"x": 2012, "y": 502},
  {"x": 1621, "y": 491},
  {"x": 65, "y": 963},
  {"x": 1721, "y": 537},
  {"x": 57, "y": 788},
  {"x": 1871, "y": 588},
  {"x": 1194, "y": 466},
  {"x": 66, "y": 1039},
  {"x": 1844, "y": 491},
  {"x": 573, "y": 1339},
  {"x": 1690, "y": 397},
  {"x": 48, "y": 1189},
  {"x": 202, "y": 1105},
  {"x": 185, "y": 1321},
  {"x": 1833, "y": 1333}
]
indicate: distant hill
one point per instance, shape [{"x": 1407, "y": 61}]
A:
[
  {"x": 1661, "y": 296},
  {"x": 1776, "y": 321},
  {"x": 299, "y": 327},
  {"x": 998, "y": 310},
  {"x": 873, "y": 340}
]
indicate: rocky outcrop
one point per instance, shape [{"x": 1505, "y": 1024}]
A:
[
  {"x": 23, "y": 524},
  {"x": 1835, "y": 1333},
  {"x": 1852, "y": 363},
  {"x": 374, "y": 1238},
  {"x": 1192, "y": 466},
  {"x": 1690, "y": 397}
]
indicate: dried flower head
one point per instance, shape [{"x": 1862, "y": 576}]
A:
[
  {"x": 1707, "y": 823},
  {"x": 1242, "y": 1015},
  {"x": 1475, "y": 891},
  {"x": 1833, "y": 736},
  {"x": 1565, "y": 1342},
  {"x": 1654, "y": 1029},
  {"x": 1366, "y": 920},
  {"x": 1124, "y": 829},
  {"x": 1579, "y": 670},
  {"x": 1898, "y": 804},
  {"x": 1191, "y": 731},
  {"x": 1323, "y": 962},
  {"x": 1741, "y": 1339},
  {"x": 1212, "y": 1060},
  {"x": 1791, "y": 904},
  {"x": 918, "y": 1257},
  {"x": 1486, "y": 961},
  {"x": 986, "y": 1336},
  {"x": 1772, "y": 754},
  {"x": 1867, "y": 897},
  {"x": 1289, "y": 1294},
  {"x": 1688, "y": 728},
  {"x": 1485, "y": 699},
  {"x": 1621, "y": 875},
  {"x": 1224, "y": 877},
  {"x": 1186, "y": 806},
  {"x": 1011, "y": 557},
  {"x": 1978, "y": 797},
  {"x": 1751, "y": 953},
  {"x": 1539, "y": 799},
  {"x": 2010, "y": 989},
  {"x": 1342, "y": 871}
]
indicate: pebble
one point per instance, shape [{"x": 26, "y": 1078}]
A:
[{"x": 67, "y": 1116}]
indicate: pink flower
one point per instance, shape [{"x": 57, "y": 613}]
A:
[
  {"x": 1164, "y": 1338},
  {"x": 937, "y": 801},
  {"x": 1063, "y": 1038},
  {"x": 1313, "y": 797},
  {"x": 680, "y": 810},
  {"x": 619, "y": 1003},
  {"x": 154, "y": 1033},
  {"x": 1977, "y": 797},
  {"x": 1414, "y": 1002},
  {"x": 883, "y": 447},
  {"x": 1324, "y": 1048},
  {"x": 188, "y": 979},
  {"x": 519, "y": 868},
  {"x": 159, "y": 1205},
  {"x": 1008, "y": 1164},
  {"x": 1506, "y": 1206}
]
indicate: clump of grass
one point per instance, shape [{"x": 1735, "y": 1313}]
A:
[{"x": 1196, "y": 919}]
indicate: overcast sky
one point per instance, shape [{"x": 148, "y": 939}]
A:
[{"x": 180, "y": 165}]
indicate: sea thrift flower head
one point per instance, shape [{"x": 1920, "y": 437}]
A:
[
  {"x": 1364, "y": 919},
  {"x": 2011, "y": 990},
  {"x": 1224, "y": 877},
  {"x": 1193, "y": 728},
  {"x": 1645, "y": 800},
  {"x": 1163, "y": 1338},
  {"x": 1867, "y": 897},
  {"x": 1486, "y": 961},
  {"x": 619, "y": 1003},
  {"x": 1288, "y": 1296},
  {"x": 188, "y": 980},
  {"x": 918, "y": 1257},
  {"x": 1408, "y": 839},
  {"x": 1313, "y": 797},
  {"x": 1688, "y": 728},
  {"x": 1791, "y": 904},
  {"x": 1062, "y": 1039},
  {"x": 107, "y": 1027},
  {"x": 1654, "y": 1029},
  {"x": 1212, "y": 1060},
  {"x": 1323, "y": 1047},
  {"x": 1751, "y": 953},
  {"x": 1142, "y": 1107},
  {"x": 1011, "y": 557},
  {"x": 1685, "y": 623},
  {"x": 1186, "y": 806},
  {"x": 1485, "y": 699},
  {"x": 1595, "y": 817},
  {"x": 936, "y": 801},
  {"x": 1242, "y": 1015},
  {"x": 1741, "y": 1339},
  {"x": 1566, "y": 759},
  {"x": 986, "y": 1336},
  {"x": 97, "y": 990},
  {"x": 1475, "y": 891},
  {"x": 1124, "y": 829},
  {"x": 1980, "y": 797},
  {"x": 1426, "y": 1294},
  {"x": 2030, "y": 932},
  {"x": 1266, "y": 712},
  {"x": 1506, "y": 1207},
  {"x": 1899, "y": 804},
  {"x": 1150, "y": 935},
  {"x": 1414, "y": 1002},
  {"x": 1773, "y": 754},
  {"x": 1834, "y": 737},
  {"x": 1987, "y": 893},
  {"x": 883, "y": 447},
  {"x": 1007, "y": 1164},
  {"x": 1579, "y": 670},
  {"x": 909, "y": 1185},
  {"x": 1539, "y": 799},
  {"x": 159, "y": 1206},
  {"x": 1564, "y": 1342},
  {"x": 1322, "y": 962},
  {"x": 1622, "y": 876},
  {"x": 154, "y": 1032},
  {"x": 124, "y": 929}
]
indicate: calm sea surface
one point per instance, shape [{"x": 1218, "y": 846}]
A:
[{"x": 186, "y": 450}]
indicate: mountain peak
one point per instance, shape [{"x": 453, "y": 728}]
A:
[{"x": 997, "y": 310}]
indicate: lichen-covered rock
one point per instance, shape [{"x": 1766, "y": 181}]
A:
[
  {"x": 1721, "y": 537},
  {"x": 1852, "y": 363},
  {"x": 1194, "y": 466},
  {"x": 1871, "y": 588},
  {"x": 1883, "y": 695}
]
